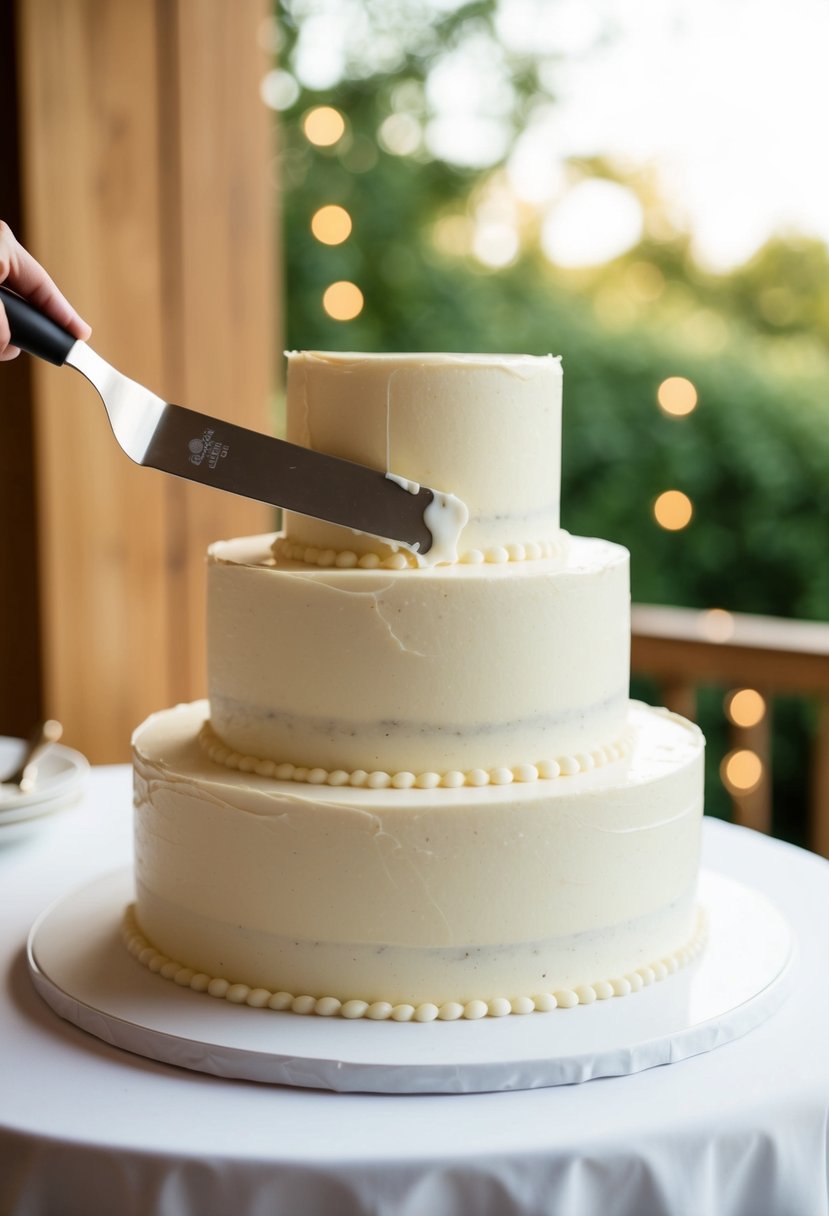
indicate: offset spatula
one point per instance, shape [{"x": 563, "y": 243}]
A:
[{"x": 187, "y": 444}]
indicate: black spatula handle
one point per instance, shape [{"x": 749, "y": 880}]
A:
[{"x": 33, "y": 332}]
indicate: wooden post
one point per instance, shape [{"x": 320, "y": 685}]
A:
[
  {"x": 146, "y": 156},
  {"x": 753, "y": 809},
  {"x": 820, "y": 783},
  {"x": 680, "y": 697}
]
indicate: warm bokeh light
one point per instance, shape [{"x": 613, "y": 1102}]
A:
[
  {"x": 343, "y": 301},
  {"x": 495, "y": 244},
  {"x": 400, "y": 134},
  {"x": 331, "y": 224},
  {"x": 741, "y": 771},
  {"x": 676, "y": 396},
  {"x": 323, "y": 126},
  {"x": 716, "y": 625},
  {"x": 672, "y": 71},
  {"x": 673, "y": 510},
  {"x": 745, "y": 707}
]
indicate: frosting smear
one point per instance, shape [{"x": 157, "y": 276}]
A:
[{"x": 445, "y": 516}]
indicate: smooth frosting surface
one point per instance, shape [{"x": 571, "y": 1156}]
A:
[
  {"x": 448, "y": 669},
  {"x": 404, "y": 1011},
  {"x": 484, "y": 428},
  {"x": 417, "y": 895}
]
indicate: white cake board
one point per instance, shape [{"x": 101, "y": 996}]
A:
[{"x": 82, "y": 969}]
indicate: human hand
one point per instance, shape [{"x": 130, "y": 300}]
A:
[{"x": 20, "y": 272}]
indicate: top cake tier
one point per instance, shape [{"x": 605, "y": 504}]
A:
[{"x": 486, "y": 428}]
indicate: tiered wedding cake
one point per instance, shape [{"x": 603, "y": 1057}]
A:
[{"x": 420, "y": 792}]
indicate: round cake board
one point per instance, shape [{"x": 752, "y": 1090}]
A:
[{"x": 81, "y": 968}]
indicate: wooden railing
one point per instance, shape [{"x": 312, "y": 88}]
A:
[{"x": 682, "y": 649}]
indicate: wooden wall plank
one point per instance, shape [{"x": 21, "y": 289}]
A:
[
  {"x": 121, "y": 547},
  {"x": 227, "y": 336},
  {"x": 91, "y": 159}
]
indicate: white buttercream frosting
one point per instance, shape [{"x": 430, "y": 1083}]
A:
[
  {"x": 484, "y": 430},
  {"x": 419, "y": 791},
  {"x": 285, "y": 770},
  {"x": 496, "y": 555},
  {"x": 404, "y": 1011},
  {"x": 411, "y": 487},
  {"x": 416, "y": 895},
  {"x": 445, "y": 517},
  {"x": 451, "y": 669}
]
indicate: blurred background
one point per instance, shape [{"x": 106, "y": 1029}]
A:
[{"x": 636, "y": 186}]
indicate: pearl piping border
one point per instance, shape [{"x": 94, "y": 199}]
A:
[
  {"x": 449, "y": 1011},
  {"x": 543, "y": 770},
  {"x": 347, "y": 559}
]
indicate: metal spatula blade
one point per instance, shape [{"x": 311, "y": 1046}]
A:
[{"x": 184, "y": 443}]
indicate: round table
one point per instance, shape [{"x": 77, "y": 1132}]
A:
[{"x": 86, "y": 1128}]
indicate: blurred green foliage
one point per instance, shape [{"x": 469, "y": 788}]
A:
[{"x": 753, "y": 456}]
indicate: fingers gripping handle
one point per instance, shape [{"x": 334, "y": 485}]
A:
[{"x": 33, "y": 332}]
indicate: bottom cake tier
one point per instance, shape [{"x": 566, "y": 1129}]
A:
[{"x": 413, "y": 903}]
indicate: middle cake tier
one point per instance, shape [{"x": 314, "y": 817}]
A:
[{"x": 436, "y": 675}]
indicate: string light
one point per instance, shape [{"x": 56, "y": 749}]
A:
[
  {"x": 745, "y": 707},
  {"x": 673, "y": 510},
  {"x": 331, "y": 224},
  {"x": 323, "y": 126},
  {"x": 343, "y": 301},
  {"x": 741, "y": 771},
  {"x": 677, "y": 396}
]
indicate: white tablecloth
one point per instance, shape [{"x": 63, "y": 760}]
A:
[{"x": 88, "y": 1129}]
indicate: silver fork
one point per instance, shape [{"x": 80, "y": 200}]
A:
[{"x": 25, "y": 775}]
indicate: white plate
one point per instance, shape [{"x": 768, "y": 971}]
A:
[
  {"x": 60, "y": 779},
  {"x": 82, "y": 969}
]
